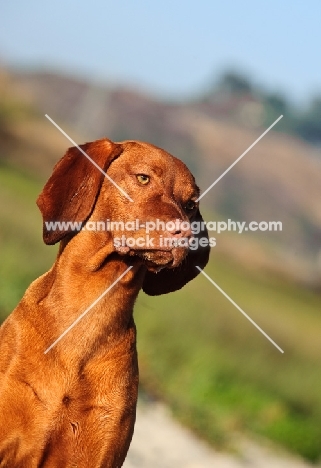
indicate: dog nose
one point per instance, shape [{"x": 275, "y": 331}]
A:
[{"x": 178, "y": 229}]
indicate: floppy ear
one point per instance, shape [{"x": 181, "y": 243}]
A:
[
  {"x": 71, "y": 191},
  {"x": 169, "y": 280}
]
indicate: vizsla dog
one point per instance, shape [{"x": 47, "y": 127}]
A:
[{"x": 68, "y": 400}]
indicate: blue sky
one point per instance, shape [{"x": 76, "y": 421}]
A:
[{"x": 173, "y": 48}]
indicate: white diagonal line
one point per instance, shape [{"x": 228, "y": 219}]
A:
[
  {"x": 88, "y": 157},
  {"x": 239, "y": 308},
  {"x": 239, "y": 158},
  {"x": 87, "y": 310}
]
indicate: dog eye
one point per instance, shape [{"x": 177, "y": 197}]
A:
[
  {"x": 190, "y": 205},
  {"x": 143, "y": 179}
]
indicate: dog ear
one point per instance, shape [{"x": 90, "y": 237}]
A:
[
  {"x": 169, "y": 280},
  {"x": 71, "y": 191}
]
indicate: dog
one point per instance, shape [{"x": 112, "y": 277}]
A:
[{"x": 68, "y": 386}]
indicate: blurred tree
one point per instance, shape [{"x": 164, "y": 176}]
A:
[
  {"x": 309, "y": 124},
  {"x": 234, "y": 83},
  {"x": 277, "y": 103},
  {"x": 230, "y": 83}
]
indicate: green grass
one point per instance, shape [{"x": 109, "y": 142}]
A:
[
  {"x": 23, "y": 254},
  {"x": 220, "y": 374},
  {"x": 196, "y": 351}
]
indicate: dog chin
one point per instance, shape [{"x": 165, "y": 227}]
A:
[{"x": 156, "y": 260}]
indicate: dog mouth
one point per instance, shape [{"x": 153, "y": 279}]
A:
[{"x": 157, "y": 259}]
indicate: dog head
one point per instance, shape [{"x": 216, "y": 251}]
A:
[{"x": 147, "y": 199}]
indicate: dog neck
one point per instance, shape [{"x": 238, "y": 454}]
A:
[{"x": 90, "y": 284}]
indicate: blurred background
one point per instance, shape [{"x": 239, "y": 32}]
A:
[{"x": 203, "y": 80}]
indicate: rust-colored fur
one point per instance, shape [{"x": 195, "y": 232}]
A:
[{"x": 75, "y": 405}]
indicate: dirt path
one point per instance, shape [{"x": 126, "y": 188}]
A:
[{"x": 160, "y": 442}]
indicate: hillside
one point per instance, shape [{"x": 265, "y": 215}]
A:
[{"x": 278, "y": 180}]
